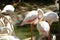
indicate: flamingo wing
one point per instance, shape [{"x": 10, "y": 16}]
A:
[
  {"x": 31, "y": 16},
  {"x": 43, "y": 27}
]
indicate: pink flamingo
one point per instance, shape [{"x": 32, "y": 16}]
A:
[
  {"x": 31, "y": 18},
  {"x": 43, "y": 26}
]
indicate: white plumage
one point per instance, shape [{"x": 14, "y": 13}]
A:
[
  {"x": 8, "y": 37},
  {"x": 51, "y": 17},
  {"x": 57, "y": 4},
  {"x": 48, "y": 16},
  {"x": 9, "y": 24},
  {"x": 9, "y": 28},
  {"x": 8, "y": 7},
  {"x": 31, "y": 16},
  {"x": 54, "y": 37},
  {"x": 43, "y": 26}
]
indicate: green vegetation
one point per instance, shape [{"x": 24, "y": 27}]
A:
[{"x": 24, "y": 31}]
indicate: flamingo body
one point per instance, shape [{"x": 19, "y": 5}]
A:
[
  {"x": 43, "y": 25},
  {"x": 30, "y": 17},
  {"x": 8, "y": 7},
  {"x": 9, "y": 24}
]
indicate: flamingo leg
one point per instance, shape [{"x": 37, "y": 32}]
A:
[
  {"x": 32, "y": 31},
  {"x": 44, "y": 38},
  {"x": 44, "y": 34},
  {"x": 49, "y": 36}
]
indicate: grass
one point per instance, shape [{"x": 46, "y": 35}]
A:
[{"x": 24, "y": 31}]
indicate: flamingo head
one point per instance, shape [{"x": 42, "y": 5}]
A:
[{"x": 40, "y": 14}]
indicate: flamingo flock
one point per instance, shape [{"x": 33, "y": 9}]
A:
[
  {"x": 43, "y": 21},
  {"x": 34, "y": 17}
]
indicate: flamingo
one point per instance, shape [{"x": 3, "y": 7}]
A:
[
  {"x": 4, "y": 20},
  {"x": 51, "y": 17},
  {"x": 43, "y": 26},
  {"x": 31, "y": 18},
  {"x": 8, "y": 7},
  {"x": 9, "y": 25},
  {"x": 6, "y": 36}
]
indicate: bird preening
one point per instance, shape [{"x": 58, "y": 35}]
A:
[
  {"x": 34, "y": 17},
  {"x": 42, "y": 20}
]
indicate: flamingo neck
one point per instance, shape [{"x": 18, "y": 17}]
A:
[{"x": 42, "y": 19}]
